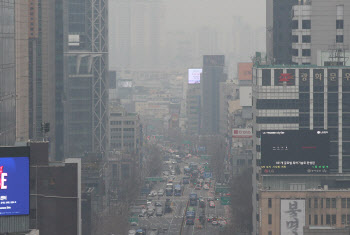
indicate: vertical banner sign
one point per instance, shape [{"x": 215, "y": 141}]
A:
[{"x": 292, "y": 217}]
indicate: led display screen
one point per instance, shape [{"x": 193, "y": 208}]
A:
[
  {"x": 194, "y": 76},
  {"x": 295, "y": 152},
  {"x": 14, "y": 181}
]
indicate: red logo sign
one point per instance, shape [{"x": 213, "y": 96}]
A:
[{"x": 286, "y": 77}]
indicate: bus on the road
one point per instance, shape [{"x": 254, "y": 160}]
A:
[
  {"x": 177, "y": 191},
  {"x": 186, "y": 180},
  {"x": 169, "y": 190},
  {"x": 193, "y": 199},
  {"x": 190, "y": 216}
]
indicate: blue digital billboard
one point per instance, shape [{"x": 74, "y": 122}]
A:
[{"x": 14, "y": 183}]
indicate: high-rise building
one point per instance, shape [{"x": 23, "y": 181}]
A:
[
  {"x": 86, "y": 82},
  {"x": 213, "y": 73},
  {"x": 319, "y": 33},
  {"x": 193, "y": 109},
  {"x": 278, "y": 30},
  {"x": 22, "y": 84},
  {"x": 8, "y": 73}
]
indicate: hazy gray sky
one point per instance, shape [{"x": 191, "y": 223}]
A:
[{"x": 182, "y": 14}]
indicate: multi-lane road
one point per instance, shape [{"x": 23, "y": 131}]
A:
[{"x": 174, "y": 223}]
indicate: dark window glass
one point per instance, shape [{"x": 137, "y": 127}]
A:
[
  {"x": 328, "y": 203},
  {"x": 348, "y": 219},
  {"x": 328, "y": 219},
  {"x": 333, "y": 148},
  {"x": 318, "y": 102},
  {"x": 270, "y": 233},
  {"x": 277, "y": 73},
  {"x": 346, "y": 119},
  {"x": 343, "y": 219},
  {"x": 294, "y": 24},
  {"x": 334, "y": 203},
  {"x": 304, "y": 120},
  {"x": 340, "y": 24},
  {"x": 306, "y": 38},
  {"x": 348, "y": 203},
  {"x": 266, "y": 77},
  {"x": 306, "y": 52},
  {"x": 304, "y": 80},
  {"x": 315, "y": 220},
  {"x": 318, "y": 119},
  {"x": 321, "y": 202},
  {"x": 321, "y": 219},
  {"x": 333, "y": 120},
  {"x": 346, "y": 102},
  {"x": 295, "y": 52},
  {"x": 333, "y": 80},
  {"x": 346, "y": 133},
  {"x": 270, "y": 219},
  {"x": 295, "y": 38},
  {"x": 333, "y": 102},
  {"x": 343, "y": 203},
  {"x": 310, "y": 202},
  {"x": 316, "y": 203},
  {"x": 333, "y": 133},
  {"x": 339, "y": 38},
  {"x": 306, "y": 24},
  {"x": 270, "y": 202},
  {"x": 309, "y": 219},
  {"x": 346, "y": 148},
  {"x": 334, "y": 219}
]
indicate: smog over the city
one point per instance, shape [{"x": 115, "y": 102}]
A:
[{"x": 164, "y": 117}]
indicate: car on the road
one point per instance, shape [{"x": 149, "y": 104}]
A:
[
  {"x": 140, "y": 232},
  {"x": 222, "y": 223},
  {"x": 214, "y": 222},
  {"x": 158, "y": 204},
  {"x": 154, "y": 231},
  {"x": 166, "y": 173},
  {"x": 210, "y": 199},
  {"x": 132, "y": 232},
  {"x": 159, "y": 211},
  {"x": 152, "y": 193},
  {"x": 161, "y": 192},
  {"x": 211, "y": 204},
  {"x": 198, "y": 187},
  {"x": 210, "y": 218},
  {"x": 134, "y": 223},
  {"x": 172, "y": 172},
  {"x": 206, "y": 187}
]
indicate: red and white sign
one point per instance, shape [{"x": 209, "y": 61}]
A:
[{"x": 242, "y": 133}]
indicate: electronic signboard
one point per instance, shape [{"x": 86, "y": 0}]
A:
[
  {"x": 14, "y": 181},
  {"x": 294, "y": 152}
]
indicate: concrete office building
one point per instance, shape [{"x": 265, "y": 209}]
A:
[
  {"x": 213, "y": 73},
  {"x": 309, "y": 98},
  {"x": 86, "y": 81},
  {"x": 8, "y": 73},
  {"x": 55, "y": 193},
  {"x": 278, "y": 30},
  {"x": 319, "y": 32},
  {"x": 193, "y": 109},
  {"x": 125, "y": 132}
]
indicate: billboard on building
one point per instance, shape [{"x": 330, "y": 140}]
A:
[
  {"x": 14, "y": 181},
  {"x": 125, "y": 83},
  {"x": 245, "y": 96},
  {"x": 295, "y": 151},
  {"x": 245, "y": 71},
  {"x": 194, "y": 76},
  {"x": 292, "y": 217},
  {"x": 242, "y": 133}
]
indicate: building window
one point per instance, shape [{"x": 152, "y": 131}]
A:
[
  {"x": 340, "y": 24},
  {"x": 266, "y": 77},
  {"x": 306, "y": 52},
  {"x": 328, "y": 219},
  {"x": 321, "y": 219},
  {"x": 315, "y": 219},
  {"x": 315, "y": 203},
  {"x": 295, "y": 24},
  {"x": 309, "y": 219},
  {"x": 295, "y": 38},
  {"x": 348, "y": 203},
  {"x": 347, "y": 219},
  {"x": 295, "y": 52},
  {"x": 306, "y": 39},
  {"x": 309, "y": 202},
  {"x": 306, "y": 24},
  {"x": 321, "y": 202},
  {"x": 328, "y": 203},
  {"x": 270, "y": 202},
  {"x": 270, "y": 232},
  {"x": 343, "y": 203},
  {"x": 334, "y": 219},
  {"x": 343, "y": 219},
  {"x": 270, "y": 219},
  {"x": 339, "y": 38},
  {"x": 334, "y": 203}
]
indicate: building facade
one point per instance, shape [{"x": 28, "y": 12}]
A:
[
  {"x": 8, "y": 73},
  {"x": 193, "y": 109},
  {"x": 213, "y": 73},
  {"x": 87, "y": 78},
  {"x": 319, "y": 32}
]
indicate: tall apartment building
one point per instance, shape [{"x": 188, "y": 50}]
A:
[
  {"x": 193, "y": 109},
  {"x": 301, "y": 98},
  {"x": 213, "y": 73},
  {"x": 278, "y": 30},
  {"x": 319, "y": 32},
  {"x": 8, "y": 73},
  {"x": 125, "y": 132},
  {"x": 86, "y": 80}
]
